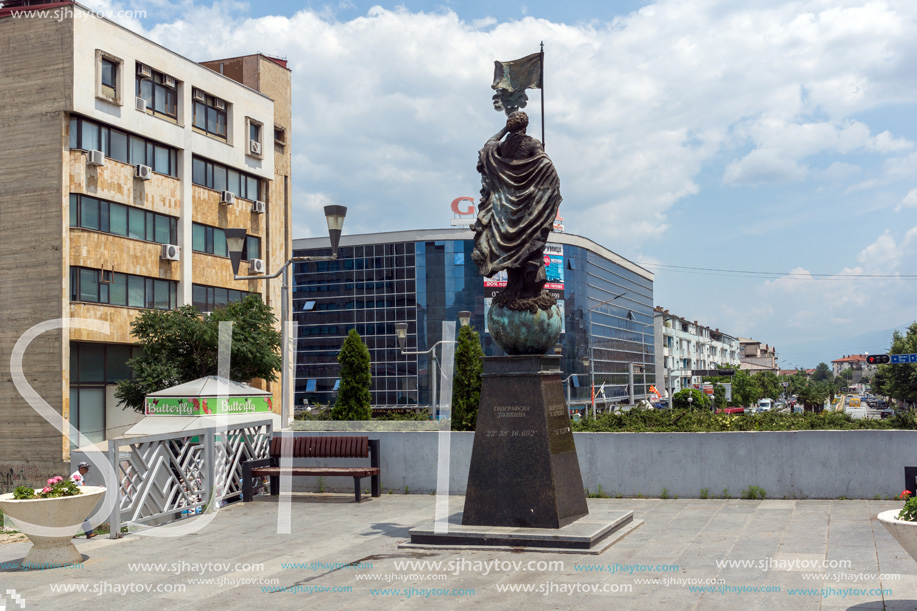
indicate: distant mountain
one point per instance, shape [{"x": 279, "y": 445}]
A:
[{"x": 809, "y": 354}]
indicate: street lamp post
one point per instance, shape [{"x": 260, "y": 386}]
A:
[
  {"x": 592, "y": 349},
  {"x": 585, "y": 361},
  {"x": 401, "y": 332},
  {"x": 235, "y": 242}
]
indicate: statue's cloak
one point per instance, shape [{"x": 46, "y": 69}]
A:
[{"x": 519, "y": 202}]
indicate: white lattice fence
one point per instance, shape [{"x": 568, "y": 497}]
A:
[{"x": 162, "y": 475}]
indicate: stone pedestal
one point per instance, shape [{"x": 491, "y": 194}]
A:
[{"x": 524, "y": 470}]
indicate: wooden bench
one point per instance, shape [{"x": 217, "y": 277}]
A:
[{"x": 316, "y": 447}]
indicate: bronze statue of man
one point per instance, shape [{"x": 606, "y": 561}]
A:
[{"x": 520, "y": 195}]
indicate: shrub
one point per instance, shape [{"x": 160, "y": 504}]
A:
[{"x": 353, "y": 402}]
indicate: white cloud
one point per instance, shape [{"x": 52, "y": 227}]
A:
[
  {"x": 763, "y": 166},
  {"x": 391, "y": 108},
  {"x": 909, "y": 201}
]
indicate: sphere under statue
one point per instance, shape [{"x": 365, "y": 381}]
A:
[{"x": 520, "y": 197}]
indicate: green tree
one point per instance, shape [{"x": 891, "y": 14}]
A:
[
  {"x": 797, "y": 382},
  {"x": 900, "y": 381},
  {"x": 466, "y": 385},
  {"x": 719, "y": 396},
  {"x": 769, "y": 384},
  {"x": 813, "y": 395},
  {"x": 680, "y": 399},
  {"x": 822, "y": 373},
  {"x": 179, "y": 346},
  {"x": 353, "y": 402},
  {"x": 745, "y": 389}
]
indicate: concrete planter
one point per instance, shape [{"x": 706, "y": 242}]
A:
[
  {"x": 903, "y": 531},
  {"x": 50, "y": 524}
]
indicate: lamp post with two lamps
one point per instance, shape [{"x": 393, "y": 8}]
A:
[
  {"x": 235, "y": 242},
  {"x": 401, "y": 332}
]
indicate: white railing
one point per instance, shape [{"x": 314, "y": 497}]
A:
[{"x": 160, "y": 476}]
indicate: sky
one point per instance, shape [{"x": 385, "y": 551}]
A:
[{"x": 758, "y": 156}]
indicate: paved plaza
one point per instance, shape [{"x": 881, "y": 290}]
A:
[{"x": 689, "y": 554}]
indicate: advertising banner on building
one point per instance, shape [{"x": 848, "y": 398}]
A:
[
  {"x": 554, "y": 268},
  {"x": 206, "y": 406}
]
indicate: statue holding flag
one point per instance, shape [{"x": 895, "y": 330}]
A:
[{"x": 520, "y": 196}]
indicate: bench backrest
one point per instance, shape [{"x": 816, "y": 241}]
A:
[{"x": 325, "y": 447}]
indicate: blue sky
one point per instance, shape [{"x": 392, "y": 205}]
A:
[{"x": 773, "y": 138}]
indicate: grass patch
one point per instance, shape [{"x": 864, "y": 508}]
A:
[
  {"x": 754, "y": 493},
  {"x": 598, "y": 494}
]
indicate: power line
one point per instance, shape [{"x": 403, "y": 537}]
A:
[{"x": 758, "y": 274}]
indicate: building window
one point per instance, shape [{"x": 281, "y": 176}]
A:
[
  {"x": 92, "y": 367},
  {"x": 158, "y": 90},
  {"x": 122, "y": 146},
  {"x": 209, "y": 298},
  {"x": 212, "y": 240},
  {"x": 255, "y": 129},
  {"x": 87, "y": 285},
  {"x": 280, "y": 136},
  {"x": 108, "y": 77},
  {"x": 126, "y": 221},
  {"x": 209, "y": 114},
  {"x": 221, "y": 178},
  {"x": 252, "y": 249}
]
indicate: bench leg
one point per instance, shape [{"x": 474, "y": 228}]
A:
[
  {"x": 275, "y": 485},
  {"x": 247, "y": 495},
  {"x": 356, "y": 489},
  {"x": 375, "y": 485}
]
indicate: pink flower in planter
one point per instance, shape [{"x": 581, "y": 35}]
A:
[
  {"x": 46, "y": 490},
  {"x": 51, "y": 482}
]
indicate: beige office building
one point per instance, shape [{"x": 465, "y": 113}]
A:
[{"x": 121, "y": 165}]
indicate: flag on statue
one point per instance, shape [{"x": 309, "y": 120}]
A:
[{"x": 518, "y": 74}]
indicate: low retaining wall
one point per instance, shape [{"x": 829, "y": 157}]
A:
[{"x": 797, "y": 464}]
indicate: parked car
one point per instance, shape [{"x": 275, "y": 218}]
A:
[
  {"x": 731, "y": 410},
  {"x": 765, "y": 405}
]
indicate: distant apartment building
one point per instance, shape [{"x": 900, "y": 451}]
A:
[
  {"x": 858, "y": 366},
  {"x": 757, "y": 357},
  {"x": 121, "y": 165},
  {"x": 684, "y": 346}
]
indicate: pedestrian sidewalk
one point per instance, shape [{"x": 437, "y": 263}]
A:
[{"x": 689, "y": 554}]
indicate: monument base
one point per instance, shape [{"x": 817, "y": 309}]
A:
[
  {"x": 592, "y": 534},
  {"x": 524, "y": 470}
]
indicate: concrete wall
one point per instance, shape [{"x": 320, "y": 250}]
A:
[
  {"x": 803, "y": 464},
  {"x": 35, "y": 77}
]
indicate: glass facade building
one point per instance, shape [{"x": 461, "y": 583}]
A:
[{"x": 425, "y": 277}]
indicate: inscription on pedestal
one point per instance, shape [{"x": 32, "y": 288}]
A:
[{"x": 524, "y": 470}]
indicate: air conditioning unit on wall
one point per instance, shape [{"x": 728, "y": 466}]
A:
[
  {"x": 256, "y": 266},
  {"x": 258, "y": 207},
  {"x": 255, "y": 147},
  {"x": 143, "y": 71},
  {"x": 171, "y": 252},
  {"x": 227, "y": 197},
  {"x": 96, "y": 158},
  {"x": 141, "y": 104},
  {"x": 143, "y": 172}
]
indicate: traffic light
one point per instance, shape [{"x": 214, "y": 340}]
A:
[{"x": 878, "y": 359}]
